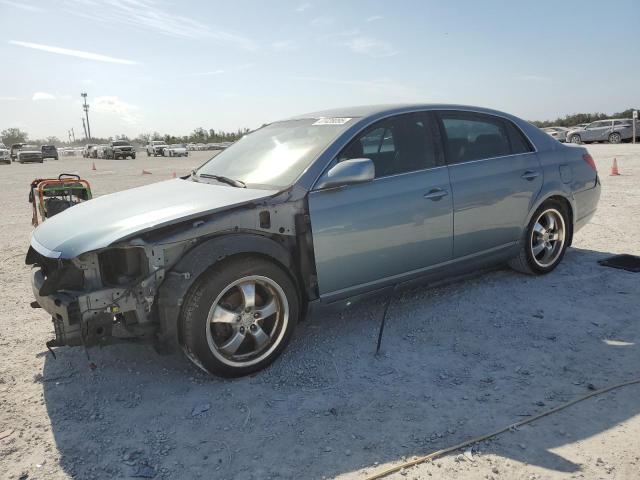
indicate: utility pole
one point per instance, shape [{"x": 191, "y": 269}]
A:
[
  {"x": 84, "y": 126},
  {"x": 634, "y": 120},
  {"x": 86, "y": 112},
  {"x": 69, "y": 134}
]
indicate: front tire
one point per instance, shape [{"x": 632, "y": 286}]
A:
[
  {"x": 575, "y": 139},
  {"x": 544, "y": 241},
  {"x": 239, "y": 316}
]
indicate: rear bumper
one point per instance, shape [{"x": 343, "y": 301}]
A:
[{"x": 586, "y": 203}]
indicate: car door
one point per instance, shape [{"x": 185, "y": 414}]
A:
[
  {"x": 495, "y": 177},
  {"x": 369, "y": 234}
]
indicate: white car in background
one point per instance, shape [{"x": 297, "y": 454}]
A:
[
  {"x": 559, "y": 133},
  {"x": 175, "y": 150}
]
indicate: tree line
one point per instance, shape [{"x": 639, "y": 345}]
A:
[
  {"x": 10, "y": 136},
  {"x": 576, "y": 118},
  {"x": 201, "y": 135}
]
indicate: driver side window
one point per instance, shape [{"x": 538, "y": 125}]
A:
[{"x": 396, "y": 145}]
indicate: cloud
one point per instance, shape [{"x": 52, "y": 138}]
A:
[
  {"x": 373, "y": 18},
  {"x": 149, "y": 15},
  {"x": 535, "y": 78},
  {"x": 284, "y": 46},
  {"x": 321, "y": 22},
  {"x": 389, "y": 88},
  {"x": 23, "y": 6},
  {"x": 43, "y": 96},
  {"x": 113, "y": 105},
  {"x": 220, "y": 71},
  {"x": 370, "y": 47},
  {"x": 302, "y": 7},
  {"x": 73, "y": 53}
]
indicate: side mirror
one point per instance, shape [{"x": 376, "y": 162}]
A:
[{"x": 347, "y": 172}]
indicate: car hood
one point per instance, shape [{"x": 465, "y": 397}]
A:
[{"x": 104, "y": 220}]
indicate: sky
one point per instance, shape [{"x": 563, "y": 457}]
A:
[{"x": 173, "y": 66}]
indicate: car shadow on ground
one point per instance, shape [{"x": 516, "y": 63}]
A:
[{"x": 457, "y": 361}]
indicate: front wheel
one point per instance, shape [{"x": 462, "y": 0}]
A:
[
  {"x": 545, "y": 240},
  {"x": 239, "y": 316},
  {"x": 575, "y": 139}
]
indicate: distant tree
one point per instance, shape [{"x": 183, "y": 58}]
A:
[
  {"x": 13, "y": 135},
  {"x": 576, "y": 118},
  {"x": 156, "y": 136},
  {"x": 53, "y": 141}
]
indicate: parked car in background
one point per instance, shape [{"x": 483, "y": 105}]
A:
[
  {"x": 559, "y": 133},
  {"x": 319, "y": 209},
  {"x": 15, "y": 148},
  {"x": 86, "y": 151},
  {"x": 5, "y": 154},
  {"x": 49, "y": 151},
  {"x": 29, "y": 154},
  {"x": 612, "y": 131},
  {"x": 156, "y": 147},
  {"x": 119, "y": 149},
  {"x": 175, "y": 150}
]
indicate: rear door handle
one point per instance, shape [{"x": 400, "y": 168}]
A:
[
  {"x": 436, "y": 194},
  {"x": 530, "y": 175}
]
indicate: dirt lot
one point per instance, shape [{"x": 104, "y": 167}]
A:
[{"x": 457, "y": 361}]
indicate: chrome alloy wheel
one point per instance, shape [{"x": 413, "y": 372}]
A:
[
  {"x": 247, "y": 321},
  {"x": 547, "y": 237},
  {"x": 615, "y": 138}
]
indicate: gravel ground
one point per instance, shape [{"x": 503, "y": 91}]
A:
[{"x": 457, "y": 361}]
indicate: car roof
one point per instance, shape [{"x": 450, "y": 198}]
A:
[{"x": 363, "y": 111}]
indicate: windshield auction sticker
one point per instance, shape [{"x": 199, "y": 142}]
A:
[{"x": 332, "y": 121}]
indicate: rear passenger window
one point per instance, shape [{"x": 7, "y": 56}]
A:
[
  {"x": 471, "y": 137},
  {"x": 395, "y": 145},
  {"x": 519, "y": 143}
]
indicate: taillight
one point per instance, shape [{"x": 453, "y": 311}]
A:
[{"x": 589, "y": 159}]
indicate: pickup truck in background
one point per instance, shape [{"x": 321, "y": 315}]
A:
[
  {"x": 156, "y": 147},
  {"x": 119, "y": 149}
]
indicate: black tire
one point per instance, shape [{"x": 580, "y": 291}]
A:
[
  {"x": 615, "y": 138},
  {"x": 575, "y": 139},
  {"x": 196, "y": 332},
  {"x": 526, "y": 262}
]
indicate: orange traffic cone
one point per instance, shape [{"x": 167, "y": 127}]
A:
[
  {"x": 94, "y": 166},
  {"x": 145, "y": 172},
  {"x": 614, "y": 168}
]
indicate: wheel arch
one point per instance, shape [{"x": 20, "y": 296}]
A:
[
  {"x": 200, "y": 259},
  {"x": 561, "y": 197}
]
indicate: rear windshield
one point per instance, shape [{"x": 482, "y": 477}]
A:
[
  {"x": 48, "y": 147},
  {"x": 121, "y": 144}
]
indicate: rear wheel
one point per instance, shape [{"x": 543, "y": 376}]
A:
[
  {"x": 545, "y": 240},
  {"x": 239, "y": 316},
  {"x": 615, "y": 138}
]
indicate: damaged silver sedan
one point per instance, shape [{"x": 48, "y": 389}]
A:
[{"x": 318, "y": 209}]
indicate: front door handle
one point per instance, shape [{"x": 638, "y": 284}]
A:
[
  {"x": 530, "y": 175},
  {"x": 436, "y": 194}
]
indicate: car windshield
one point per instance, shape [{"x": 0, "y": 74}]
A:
[
  {"x": 48, "y": 147},
  {"x": 275, "y": 155},
  {"x": 120, "y": 144}
]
